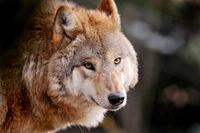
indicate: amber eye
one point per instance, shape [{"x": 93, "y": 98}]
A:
[
  {"x": 88, "y": 65},
  {"x": 117, "y": 60}
]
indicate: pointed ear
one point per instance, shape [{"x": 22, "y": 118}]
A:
[
  {"x": 110, "y": 9},
  {"x": 66, "y": 26}
]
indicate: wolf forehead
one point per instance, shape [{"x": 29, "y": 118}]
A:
[
  {"x": 100, "y": 36},
  {"x": 112, "y": 44},
  {"x": 98, "y": 28}
]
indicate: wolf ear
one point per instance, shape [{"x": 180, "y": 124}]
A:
[
  {"x": 66, "y": 26},
  {"x": 110, "y": 9}
]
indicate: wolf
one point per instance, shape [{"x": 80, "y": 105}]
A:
[{"x": 71, "y": 66}]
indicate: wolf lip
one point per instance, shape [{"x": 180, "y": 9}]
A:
[
  {"x": 114, "y": 108},
  {"x": 94, "y": 101}
]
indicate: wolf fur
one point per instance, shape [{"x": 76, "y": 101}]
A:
[{"x": 68, "y": 62}]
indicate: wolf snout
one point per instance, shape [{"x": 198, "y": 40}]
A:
[{"x": 116, "y": 99}]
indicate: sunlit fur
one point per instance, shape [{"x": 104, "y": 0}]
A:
[{"x": 47, "y": 87}]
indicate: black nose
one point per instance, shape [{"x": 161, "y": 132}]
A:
[{"x": 116, "y": 99}]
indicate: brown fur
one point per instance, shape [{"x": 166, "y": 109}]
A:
[{"x": 29, "y": 102}]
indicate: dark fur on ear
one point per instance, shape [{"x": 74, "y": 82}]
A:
[{"x": 110, "y": 9}]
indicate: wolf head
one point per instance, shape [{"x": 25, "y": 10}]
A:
[
  {"x": 86, "y": 67},
  {"x": 93, "y": 59}
]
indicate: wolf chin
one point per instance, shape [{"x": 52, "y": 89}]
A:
[{"x": 72, "y": 65}]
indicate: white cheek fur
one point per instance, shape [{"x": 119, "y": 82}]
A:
[
  {"x": 127, "y": 74},
  {"x": 81, "y": 84}
]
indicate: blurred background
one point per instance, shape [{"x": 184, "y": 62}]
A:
[{"x": 166, "y": 36}]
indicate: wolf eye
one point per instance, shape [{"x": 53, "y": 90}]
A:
[
  {"x": 88, "y": 66},
  {"x": 117, "y": 60}
]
